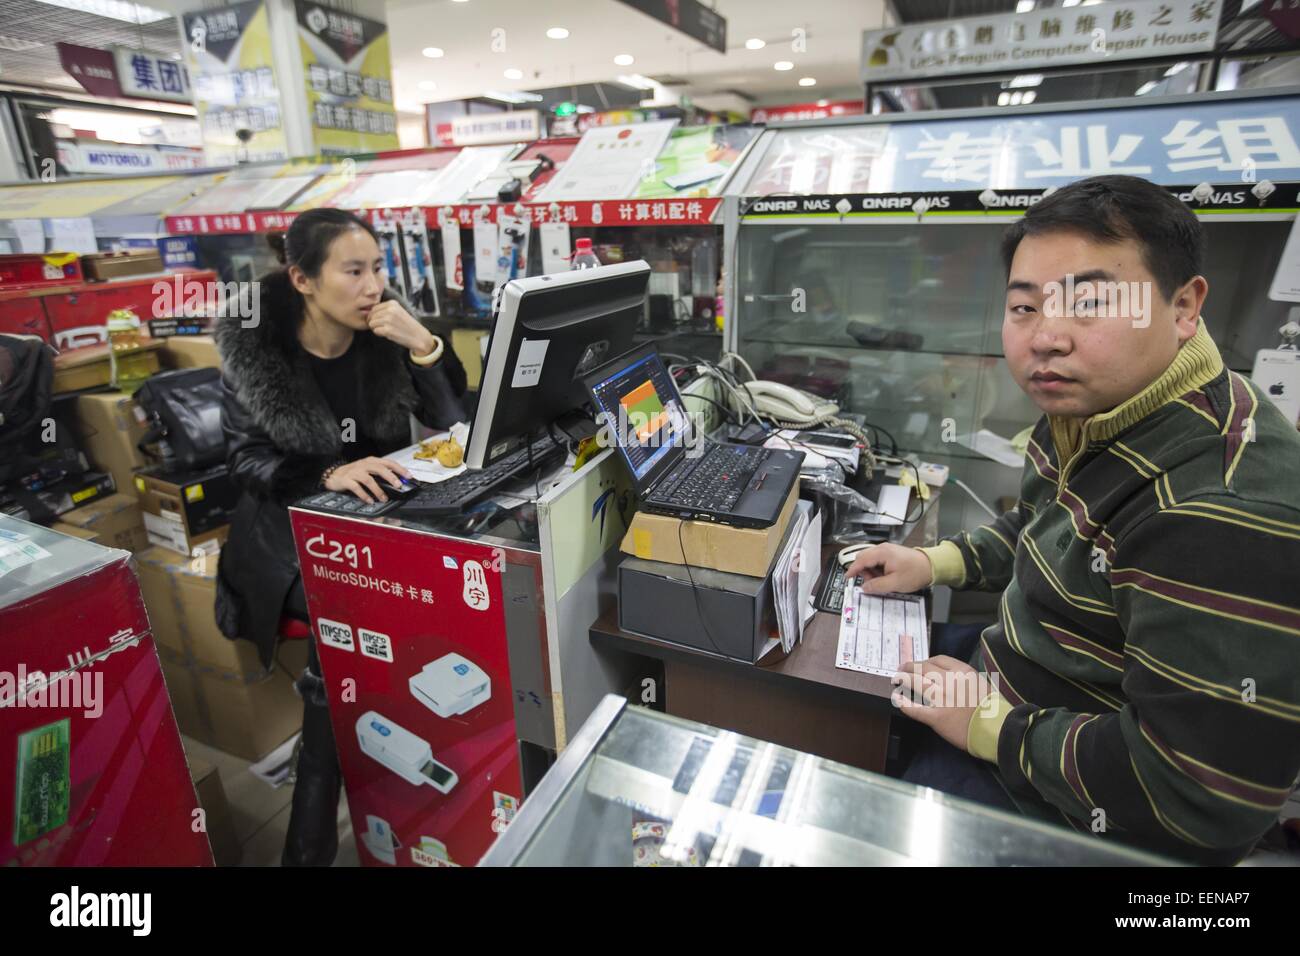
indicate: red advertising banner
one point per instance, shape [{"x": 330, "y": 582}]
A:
[
  {"x": 95, "y": 70},
  {"x": 612, "y": 212},
  {"x": 410, "y": 630},
  {"x": 804, "y": 111}
]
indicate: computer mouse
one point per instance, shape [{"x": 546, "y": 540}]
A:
[{"x": 847, "y": 555}]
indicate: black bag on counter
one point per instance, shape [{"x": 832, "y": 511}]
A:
[
  {"x": 184, "y": 409},
  {"x": 26, "y": 381}
]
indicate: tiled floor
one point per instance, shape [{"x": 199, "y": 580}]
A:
[{"x": 260, "y": 813}]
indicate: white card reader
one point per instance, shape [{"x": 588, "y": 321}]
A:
[
  {"x": 451, "y": 685},
  {"x": 402, "y": 752}
]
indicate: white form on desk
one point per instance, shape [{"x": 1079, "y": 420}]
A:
[{"x": 881, "y": 632}]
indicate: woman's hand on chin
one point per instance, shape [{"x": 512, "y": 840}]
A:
[{"x": 390, "y": 321}]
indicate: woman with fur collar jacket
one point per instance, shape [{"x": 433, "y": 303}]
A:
[{"x": 318, "y": 385}]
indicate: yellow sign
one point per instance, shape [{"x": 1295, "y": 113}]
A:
[
  {"x": 228, "y": 50},
  {"x": 348, "y": 70}
]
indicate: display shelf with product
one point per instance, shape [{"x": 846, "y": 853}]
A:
[
  {"x": 863, "y": 253},
  {"x": 640, "y": 788}
]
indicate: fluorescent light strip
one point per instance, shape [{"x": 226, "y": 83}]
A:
[{"x": 112, "y": 9}]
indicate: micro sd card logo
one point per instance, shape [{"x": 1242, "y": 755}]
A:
[
  {"x": 335, "y": 634},
  {"x": 461, "y": 669}
]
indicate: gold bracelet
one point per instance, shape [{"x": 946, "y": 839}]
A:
[{"x": 432, "y": 357}]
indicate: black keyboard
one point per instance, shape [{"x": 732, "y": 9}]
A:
[
  {"x": 715, "y": 482},
  {"x": 346, "y": 503},
  {"x": 451, "y": 496}
]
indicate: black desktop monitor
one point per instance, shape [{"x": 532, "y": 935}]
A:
[{"x": 549, "y": 332}]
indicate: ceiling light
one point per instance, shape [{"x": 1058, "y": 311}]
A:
[
  {"x": 1069, "y": 3},
  {"x": 113, "y": 10},
  {"x": 1024, "y": 6},
  {"x": 783, "y": 65},
  {"x": 558, "y": 33},
  {"x": 508, "y": 96},
  {"x": 1176, "y": 69},
  {"x": 428, "y": 85},
  {"x": 1145, "y": 88},
  {"x": 823, "y": 102},
  {"x": 807, "y": 81},
  {"x": 460, "y": 1},
  {"x": 636, "y": 81},
  {"x": 432, "y": 52},
  {"x": 754, "y": 43},
  {"x": 1030, "y": 96},
  {"x": 17, "y": 44},
  {"x": 1025, "y": 79},
  {"x": 1004, "y": 98},
  {"x": 513, "y": 74},
  {"x": 624, "y": 59}
]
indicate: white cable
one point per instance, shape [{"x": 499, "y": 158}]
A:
[{"x": 978, "y": 500}]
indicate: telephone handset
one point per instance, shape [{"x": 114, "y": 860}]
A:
[{"x": 786, "y": 404}]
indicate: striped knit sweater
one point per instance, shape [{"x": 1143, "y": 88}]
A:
[{"x": 1147, "y": 649}]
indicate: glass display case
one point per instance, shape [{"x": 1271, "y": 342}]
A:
[
  {"x": 640, "y": 788},
  {"x": 863, "y": 256}
]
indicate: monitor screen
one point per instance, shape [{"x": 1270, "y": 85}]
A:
[
  {"x": 549, "y": 332},
  {"x": 641, "y": 405}
]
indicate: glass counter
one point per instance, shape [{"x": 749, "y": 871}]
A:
[{"x": 640, "y": 788}]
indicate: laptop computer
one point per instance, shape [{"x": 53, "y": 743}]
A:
[{"x": 674, "y": 472}]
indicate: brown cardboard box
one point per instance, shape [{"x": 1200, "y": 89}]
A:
[
  {"x": 220, "y": 692},
  {"x": 118, "y": 265},
  {"x": 466, "y": 344},
  {"x": 220, "y": 826},
  {"x": 89, "y": 367},
  {"x": 187, "y": 510},
  {"x": 108, "y": 428},
  {"x": 114, "y": 521},
  {"x": 191, "y": 351},
  {"x": 749, "y": 551}
]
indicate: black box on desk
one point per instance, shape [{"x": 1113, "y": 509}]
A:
[{"x": 729, "y": 614}]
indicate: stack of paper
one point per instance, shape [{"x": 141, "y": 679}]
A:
[{"x": 796, "y": 574}]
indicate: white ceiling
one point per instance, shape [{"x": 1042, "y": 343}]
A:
[{"x": 599, "y": 29}]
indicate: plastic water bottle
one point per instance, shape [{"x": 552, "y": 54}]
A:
[
  {"x": 583, "y": 256},
  {"x": 127, "y": 361}
]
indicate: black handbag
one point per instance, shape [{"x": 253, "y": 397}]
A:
[
  {"x": 184, "y": 415},
  {"x": 26, "y": 382}
]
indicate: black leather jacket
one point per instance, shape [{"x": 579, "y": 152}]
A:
[{"x": 281, "y": 436}]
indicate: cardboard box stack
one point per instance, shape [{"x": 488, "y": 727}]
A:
[{"x": 221, "y": 693}]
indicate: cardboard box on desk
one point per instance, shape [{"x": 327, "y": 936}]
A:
[
  {"x": 89, "y": 367},
  {"x": 222, "y": 695},
  {"x": 187, "y": 510},
  {"x": 109, "y": 426},
  {"x": 191, "y": 351},
  {"x": 750, "y": 551},
  {"x": 714, "y": 611},
  {"x": 114, "y": 521}
]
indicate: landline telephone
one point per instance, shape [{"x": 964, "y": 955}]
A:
[{"x": 788, "y": 405}]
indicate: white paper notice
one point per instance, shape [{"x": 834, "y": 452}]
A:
[
  {"x": 993, "y": 446},
  {"x": 73, "y": 235},
  {"x": 556, "y": 247},
  {"x": 19, "y": 554},
  {"x": 451, "y": 255},
  {"x": 608, "y": 162},
  {"x": 1286, "y": 281},
  {"x": 485, "y": 252},
  {"x": 528, "y": 367},
  {"x": 30, "y": 233}
]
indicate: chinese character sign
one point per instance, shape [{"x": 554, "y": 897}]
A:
[
  {"x": 151, "y": 76},
  {"x": 347, "y": 69},
  {"x": 228, "y": 51},
  {"x": 1240, "y": 141},
  {"x": 1055, "y": 36}
]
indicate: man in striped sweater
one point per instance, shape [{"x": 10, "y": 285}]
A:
[{"x": 1143, "y": 678}]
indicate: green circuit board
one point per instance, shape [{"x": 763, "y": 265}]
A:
[{"x": 43, "y": 781}]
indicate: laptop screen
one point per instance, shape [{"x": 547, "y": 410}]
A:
[{"x": 644, "y": 411}]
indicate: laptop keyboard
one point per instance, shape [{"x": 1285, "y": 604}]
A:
[{"x": 716, "y": 481}]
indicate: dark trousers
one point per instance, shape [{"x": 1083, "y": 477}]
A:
[
  {"x": 312, "y": 839},
  {"x": 938, "y": 764}
]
